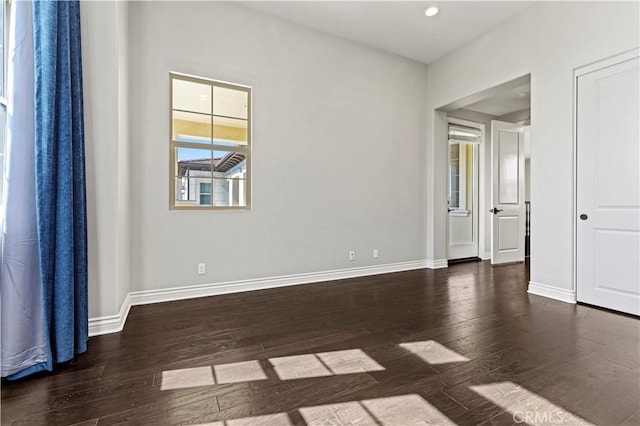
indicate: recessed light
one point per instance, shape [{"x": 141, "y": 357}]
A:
[
  {"x": 203, "y": 98},
  {"x": 432, "y": 11},
  {"x": 522, "y": 94}
]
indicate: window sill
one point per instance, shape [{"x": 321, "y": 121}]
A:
[{"x": 459, "y": 213}]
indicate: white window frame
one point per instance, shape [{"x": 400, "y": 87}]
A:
[
  {"x": 462, "y": 143},
  {"x": 244, "y": 149}
]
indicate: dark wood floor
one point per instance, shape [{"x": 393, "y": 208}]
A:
[{"x": 490, "y": 351}]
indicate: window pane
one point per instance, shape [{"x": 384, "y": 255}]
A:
[
  {"x": 454, "y": 176},
  {"x": 186, "y": 191},
  {"x": 205, "y": 193},
  {"x": 229, "y": 163},
  {"x": 193, "y": 159},
  {"x": 193, "y": 191},
  {"x": 230, "y": 102},
  {"x": 230, "y": 192},
  {"x": 468, "y": 163},
  {"x": 508, "y": 167},
  {"x": 2, "y": 49},
  {"x": 230, "y": 130},
  {"x": 3, "y": 115},
  {"x": 190, "y": 96},
  {"x": 193, "y": 168},
  {"x": 190, "y": 127}
]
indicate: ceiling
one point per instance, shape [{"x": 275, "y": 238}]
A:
[
  {"x": 399, "y": 27},
  {"x": 506, "y": 102}
]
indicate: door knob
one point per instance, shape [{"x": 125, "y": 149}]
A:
[
  {"x": 495, "y": 210},
  {"x": 584, "y": 217}
]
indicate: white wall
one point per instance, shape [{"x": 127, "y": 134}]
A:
[
  {"x": 548, "y": 40},
  {"x": 123, "y": 248},
  {"x": 340, "y": 160},
  {"x": 104, "y": 26},
  {"x": 338, "y": 155}
]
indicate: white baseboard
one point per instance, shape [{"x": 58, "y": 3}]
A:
[
  {"x": 111, "y": 323},
  {"x": 551, "y": 292},
  {"x": 437, "y": 264},
  {"x": 486, "y": 256},
  {"x": 115, "y": 323}
]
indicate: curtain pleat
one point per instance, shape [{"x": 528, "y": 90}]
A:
[{"x": 60, "y": 177}]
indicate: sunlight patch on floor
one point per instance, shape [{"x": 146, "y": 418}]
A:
[
  {"x": 401, "y": 410},
  {"x": 187, "y": 378},
  {"x": 345, "y": 413},
  {"x": 298, "y": 367},
  {"x": 349, "y": 361},
  {"x": 433, "y": 352},
  {"x": 392, "y": 411},
  {"x": 526, "y": 406},
  {"x": 278, "y": 419},
  {"x": 405, "y": 410},
  {"x": 237, "y": 372}
]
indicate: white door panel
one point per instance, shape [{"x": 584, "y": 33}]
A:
[
  {"x": 608, "y": 187},
  {"x": 462, "y": 189},
  {"x": 509, "y": 236},
  {"x": 508, "y": 170},
  {"x": 461, "y": 233},
  {"x": 508, "y": 195}
]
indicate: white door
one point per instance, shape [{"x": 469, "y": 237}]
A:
[
  {"x": 507, "y": 195},
  {"x": 462, "y": 189},
  {"x": 608, "y": 187}
]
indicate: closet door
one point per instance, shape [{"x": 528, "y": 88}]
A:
[{"x": 608, "y": 186}]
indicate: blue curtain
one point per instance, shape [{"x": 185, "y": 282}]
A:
[{"x": 60, "y": 200}]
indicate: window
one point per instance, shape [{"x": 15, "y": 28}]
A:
[
  {"x": 462, "y": 142},
  {"x": 210, "y": 147},
  {"x": 4, "y": 27},
  {"x": 454, "y": 176},
  {"x": 205, "y": 193}
]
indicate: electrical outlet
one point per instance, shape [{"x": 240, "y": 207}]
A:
[
  {"x": 375, "y": 253},
  {"x": 352, "y": 255},
  {"x": 202, "y": 268}
]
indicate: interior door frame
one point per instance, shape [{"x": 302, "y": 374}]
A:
[
  {"x": 479, "y": 219},
  {"x": 578, "y": 72}
]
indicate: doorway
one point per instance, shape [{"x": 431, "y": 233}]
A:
[{"x": 507, "y": 103}]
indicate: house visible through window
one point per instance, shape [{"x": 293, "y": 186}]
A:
[
  {"x": 210, "y": 144},
  {"x": 205, "y": 193}
]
